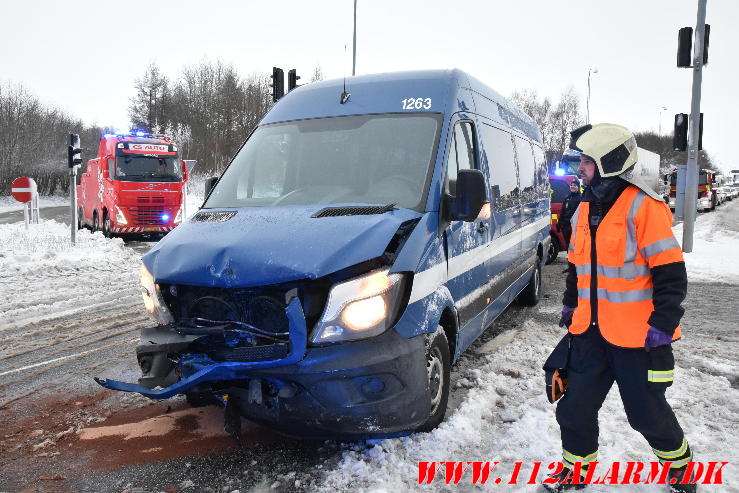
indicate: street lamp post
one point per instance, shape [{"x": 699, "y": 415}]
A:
[
  {"x": 594, "y": 71},
  {"x": 661, "y": 109}
]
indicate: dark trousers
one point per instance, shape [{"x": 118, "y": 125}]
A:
[{"x": 642, "y": 378}]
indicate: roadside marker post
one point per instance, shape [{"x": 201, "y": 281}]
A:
[{"x": 24, "y": 190}]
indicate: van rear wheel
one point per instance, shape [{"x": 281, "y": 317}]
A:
[
  {"x": 438, "y": 369},
  {"x": 531, "y": 293}
]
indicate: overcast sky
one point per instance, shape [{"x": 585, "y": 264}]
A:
[{"x": 84, "y": 56}]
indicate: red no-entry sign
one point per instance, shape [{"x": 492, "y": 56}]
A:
[{"x": 23, "y": 189}]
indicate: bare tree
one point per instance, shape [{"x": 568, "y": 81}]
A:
[
  {"x": 149, "y": 108},
  {"x": 317, "y": 74},
  {"x": 33, "y": 140},
  {"x": 556, "y": 120}
]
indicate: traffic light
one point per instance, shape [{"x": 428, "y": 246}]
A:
[
  {"x": 680, "y": 137},
  {"x": 685, "y": 47},
  {"x": 706, "y": 35},
  {"x": 74, "y": 153},
  {"x": 278, "y": 83},
  {"x": 292, "y": 79}
]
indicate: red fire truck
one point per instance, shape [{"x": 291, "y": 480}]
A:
[
  {"x": 707, "y": 198},
  {"x": 134, "y": 186}
]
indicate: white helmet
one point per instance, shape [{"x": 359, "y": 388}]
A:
[
  {"x": 613, "y": 149},
  {"x": 611, "y": 146}
]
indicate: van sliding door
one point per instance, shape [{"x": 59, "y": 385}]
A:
[{"x": 505, "y": 248}]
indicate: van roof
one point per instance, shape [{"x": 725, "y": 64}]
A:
[{"x": 440, "y": 91}]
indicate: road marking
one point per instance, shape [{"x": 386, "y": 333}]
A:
[{"x": 48, "y": 362}]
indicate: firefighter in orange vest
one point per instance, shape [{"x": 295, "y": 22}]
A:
[{"x": 622, "y": 306}]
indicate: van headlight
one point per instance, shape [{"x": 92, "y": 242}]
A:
[
  {"x": 360, "y": 308},
  {"x": 153, "y": 299}
]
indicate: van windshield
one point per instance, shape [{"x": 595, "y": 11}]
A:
[
  {"x": 147, "y": 168},
  {"x": 367, "y": 159}
]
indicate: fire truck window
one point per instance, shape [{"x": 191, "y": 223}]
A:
[{"x": 111, "y": 168}]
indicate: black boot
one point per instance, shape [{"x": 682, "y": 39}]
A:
[
  {"x": 676, "y": 475},
  {"x": 563, "y": 482}
]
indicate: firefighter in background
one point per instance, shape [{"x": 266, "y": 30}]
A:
[
  {"x": 569, "y": 206},
  {"x": 622, "y": 306}
]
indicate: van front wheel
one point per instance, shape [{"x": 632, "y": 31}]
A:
[
  {"x": 531, "y": 293},
  {"x": 438, "y": 368}
]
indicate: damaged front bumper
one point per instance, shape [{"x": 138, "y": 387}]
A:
[
  {"x": 227, "y": 370},
  {"x": 369, "y": 388}
]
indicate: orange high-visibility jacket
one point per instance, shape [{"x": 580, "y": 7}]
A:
[{"x": 634, "y": 237}]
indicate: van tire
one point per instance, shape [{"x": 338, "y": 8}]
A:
[
  {"x": 438, "y": 369},
  {"x": 532, "y": 292},
  {"x": 553, "y": 251}
]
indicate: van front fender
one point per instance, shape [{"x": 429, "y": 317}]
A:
[{"x": 424, "y": 315}]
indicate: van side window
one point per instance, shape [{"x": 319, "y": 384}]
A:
[
  {"x": 541, "y": 174},
  {"x": 503, "y": 170},
  {"x": 461, "y": 154},
  {"x": 525, "y": 170}
]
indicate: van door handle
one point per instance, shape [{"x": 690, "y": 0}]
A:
[{"x": 482, "y": 227}]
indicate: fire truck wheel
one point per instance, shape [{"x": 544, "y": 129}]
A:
[
  {"x": 95, "y": 222},
  {"x": 106, "y": 225},
  {"x": 79, "y": 219}
]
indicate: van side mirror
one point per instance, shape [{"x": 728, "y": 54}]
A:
[
  {"x": 470, "y": 197},
  {"x": 209, "y": 184}
]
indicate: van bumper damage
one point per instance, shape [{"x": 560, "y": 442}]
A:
[{"x": 365, "y": 389}]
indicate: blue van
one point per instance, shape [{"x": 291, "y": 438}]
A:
[{"x": 365, "y": 234}]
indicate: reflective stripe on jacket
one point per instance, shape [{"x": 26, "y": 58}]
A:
[{"x": 634, "y": 237}]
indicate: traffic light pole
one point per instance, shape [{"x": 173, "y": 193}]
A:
[
  {"x": 73, "y": 201},
  {"x": 691, "y": 173}
]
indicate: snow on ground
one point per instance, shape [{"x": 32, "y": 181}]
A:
[
  {"x": 507, "y": 418},
  {"x": 715, "y": 247},
  {"x": 8, "y": 203},
  {"x": 45, "y": 280}
]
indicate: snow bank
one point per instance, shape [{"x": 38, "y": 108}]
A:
[
  {"x": 8, "y": 203},
  {"x": 47, "y": 246},
  {"x": 506, "y": 418},
  {"x": 715, "y": 255}
]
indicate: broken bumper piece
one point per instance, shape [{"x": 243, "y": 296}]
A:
[{"x": 227, "y": 370}]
